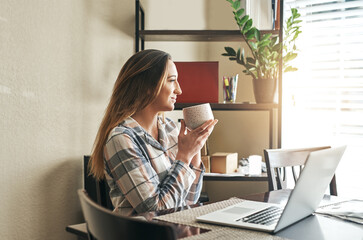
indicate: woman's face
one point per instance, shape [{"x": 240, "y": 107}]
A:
[{"x": 170, "y": 90}]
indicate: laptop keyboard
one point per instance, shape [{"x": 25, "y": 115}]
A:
[{"x": 266, "y": 216}]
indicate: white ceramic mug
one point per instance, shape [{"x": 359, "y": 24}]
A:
[{"x": 196, "y": 115}]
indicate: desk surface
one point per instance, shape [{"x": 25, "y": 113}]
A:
[{"x": 312, "y": 227}]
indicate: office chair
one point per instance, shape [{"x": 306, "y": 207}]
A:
[
  {"x": 98, "y": 191},
  {"x": 279, "y": 160},
  {"x": 103, "y": 224}
]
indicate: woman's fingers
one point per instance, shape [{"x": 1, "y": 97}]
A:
[
  {"x": 207, "y": 127},
  {"x": 204, "y": 125},
  {"x": 191, "y": 142},
  {"x": 202, "y": 133},
  {"x": 182, "y": 127}
]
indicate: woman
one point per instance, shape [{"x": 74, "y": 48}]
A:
[{"x": 149, "y": 165}]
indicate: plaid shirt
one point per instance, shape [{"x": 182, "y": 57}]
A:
[{"x": 143, "y": 173}]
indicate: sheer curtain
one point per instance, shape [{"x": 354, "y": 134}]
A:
[{"x": 323, "y": 100}]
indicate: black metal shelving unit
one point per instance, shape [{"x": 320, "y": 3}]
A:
[{"x": 142, "y": 35}]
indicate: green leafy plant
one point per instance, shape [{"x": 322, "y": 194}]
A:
[{"x": 266, "y": 49}]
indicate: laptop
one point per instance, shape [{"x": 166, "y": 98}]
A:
[{"x": 304, "y": 199}]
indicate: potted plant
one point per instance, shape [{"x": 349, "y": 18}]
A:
[{"x": 266, "y": 51}]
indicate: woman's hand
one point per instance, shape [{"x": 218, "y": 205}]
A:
[
  {"x": 196, "y": 160},
  {"x": 190, "y": 142}
]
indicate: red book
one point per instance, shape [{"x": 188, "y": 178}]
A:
[{"x": 198, "y": 81}]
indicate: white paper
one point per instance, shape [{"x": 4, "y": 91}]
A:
[{"x": 351, "y": 210}]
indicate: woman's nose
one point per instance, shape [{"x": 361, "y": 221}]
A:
[{"x": 178, "y": 90}]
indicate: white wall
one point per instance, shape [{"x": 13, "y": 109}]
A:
[{"x": 58, "y": 62}]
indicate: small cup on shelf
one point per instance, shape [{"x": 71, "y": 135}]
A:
[
  {"x": 230, "y": 89},
  {"x": 255, "y": 162}
]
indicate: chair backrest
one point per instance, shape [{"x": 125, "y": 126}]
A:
[
  {"x": 278, "y": 161},
  {"x": 103, "y": 224},
  {"x": 98, "y": 191}
]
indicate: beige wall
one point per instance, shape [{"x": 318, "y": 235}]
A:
[
  {"x": 58, "y": 62},
  {"x": 177, "y": 15}
]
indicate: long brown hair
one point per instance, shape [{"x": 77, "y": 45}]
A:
[{"x": 137, "y": 85}]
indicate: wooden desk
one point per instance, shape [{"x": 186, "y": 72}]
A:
[{"x": 313, "y": 227}]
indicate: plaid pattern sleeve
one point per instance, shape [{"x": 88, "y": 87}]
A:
[
  {"x": 143, "y": 174},
  {"x": 196, "y": 188}
]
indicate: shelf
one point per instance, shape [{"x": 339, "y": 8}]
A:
[
  {"x": 234, "y": 177},
  {"x": 233, "y": 106},
  {"x": 195, "y": 35}
]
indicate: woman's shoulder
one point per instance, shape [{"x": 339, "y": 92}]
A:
[{"x": 126, "y": 127}]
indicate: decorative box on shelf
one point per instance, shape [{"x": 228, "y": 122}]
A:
[
  {"x": 222, "y": 162},
  {"x": 198, "y": 81}
]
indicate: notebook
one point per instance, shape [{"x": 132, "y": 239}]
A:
[{"x": 304, "y": 199}]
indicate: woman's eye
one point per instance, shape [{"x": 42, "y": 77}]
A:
[{"x": 172, "y": 80}]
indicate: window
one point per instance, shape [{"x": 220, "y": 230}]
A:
[{"x": 323, "y": 100}]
